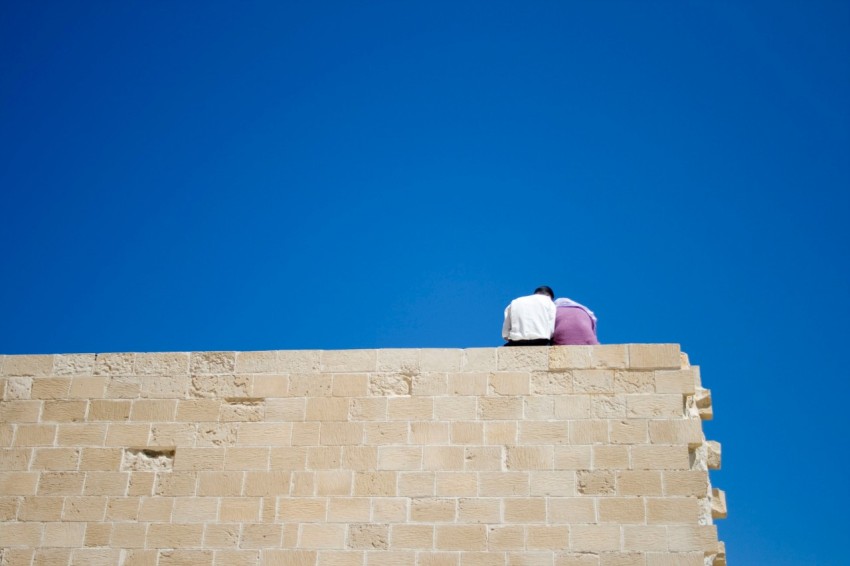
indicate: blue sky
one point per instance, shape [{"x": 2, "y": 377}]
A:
[{"x": 289, "y": 175}]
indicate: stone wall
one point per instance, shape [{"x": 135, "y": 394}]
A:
[{"x": 570, "y": 455}]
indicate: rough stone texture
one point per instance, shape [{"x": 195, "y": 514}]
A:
[{"x": 572, "y": 455}]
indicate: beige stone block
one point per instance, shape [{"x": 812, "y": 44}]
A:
[
  {"x": 597, "y": 482},
  {"x": 212, "y": 362},
  {"x": 551, "y": 383},
  {"x": 440, "y": 360},
  {"x": 611, "y": 457},
  {"x": 163, "y": 387},
  {"x": 416, "y": 484},
  {"x": 479, "y": 510},
  {"x": 246, "y": 458},
  {"x": 220, "y": 386},
  {"x": 298, "y": 361},
  {"x": 554, "y": 432},
  {"x": 49, "y": 483},
  {"x": 676, "y": 559},
  {"x": 237, "y": 557},
  {"x": 505, "y": 537},
  {"x": 141, "y": 483},
  {"x": 7, "y": 431},
  {"x": 608, "y": 406},
  {"x": 18, "y": 483},
  {"x": 310, "y": 385},
  {"x": 125, "y": 434},
  {"x": 692, "y": 483},
  {"x": 239, "y": 509},
  {"x": 398, "y": 360},
  {"x": 576, "y": 559},
  {"x": 114, "y": 364},
  {"x": 660, "y": 457},
  {"x": 461, "y": 537},
  {"x": 175, "y": 484},
  {"x": 174, "y": 535},
  {"x": 547, "y": 537},
  {"x": 455, "y": 408},
  {"x": 467, "y": 432},
  {"x": 375, "y": 483},
  {"x": 19, "y": 555},
  {"x": 341, "y": 558},
  {"x": 411, "y": 536},
  {"x": 360, "y": 458},
  {"x": 443, "y": 458},
  {"x": 349, "y": 360},
  {"x": 341, "y": 433},
  {"x": 572, "y": 510},
  {"x": 718, "y": 504},
  {"x": 269, "y": 385},
  {"x": 391, "y": 384},
  {"x": 634, "y": 382},
  {"x": 65, "y": 535},
  {"x": 573, "y": 407},
  {"x": 288, "y": 557},
  {"x": 713, "y": 457},
  {"x": 106, "y": 483},
  {"x": 221, "y": 484},
  {"x": 35, "y": 365},
  {"x": 530, "y": 457},
  {"x": 672, "y": 510},
  {"x": 368, "y": 537},
  {"x": 399, "y": 457},
  {"x": 120, "y": 509},
  {"x": 675, "y": 381},
  {"x": 539, "y": 408},
  {"x": 389, "y": 509},
  {"x": 34, "y": 435},
  {"x": 643, "y": 538},
  {"x": 593, "y": 381},
  {"x": 622, "y": 510},
  {"x": 459, "y": 484},
  {"x": 503, "y": 484},
  {"x": 639, "y": 482},
  {"x": 98, "y": 534},
  {"x": 333, "y": 482},
  {"x": 15, "y": 459},
  {"x": 50, "y": 388},
  {"x": 570, "y": 357},
  {"x": 123, "y": 387},
  {"x": 305, "y": 434},
  {"x": 480, "y": 458},
  {"x": 256, "y": 362},
  {"x": 35, "y": 509},
  {"x": 302, "y": 509},
  {"x": 592, "y": 538},
  {"x": 221, "y": 535},
  {"x": 367, "y": 409},
  {"x": 432, "y": 510},
  {"x": 350, "y": 385},
  {"x": 264, "y": 434},
  {"x": 294, "y": 458},
  {"x": 554, "y": 483},
  {"x": 679, "y": 431},
  {"x": 324, "y": 458},
  {"x": 572, "y": 457},
  {"x": 588, "y": 432},
  {"x": 655, "y": 405},
  {"x": 84, "y": 509},
  {"x": 609, "y": 356},
  {"x": 64, "y": 411},
  {"x": 242, "y": 410},
  {"x": 49, "y": 459},
  {"x": 622, "y": 559},
  {"x": 654, "y": 356},
  {"x": 162, "y": 364},
  {"x": 271, "y": 483},
  {"x": 479, "y": 359},
  {"x": 429, "y": 432},
  {"x": 500, "y": 432},
  {"x": 181, "y": 557},
  {"x": 429, "y": 384},
  {"x": 20, "y": 411},
  {"x": 500, "y": 408},
  {"x": 509, "y": 383},
  {"x": 468, "y": 384},
  {"x": 198, "y": 459},
  {"x": 102, "y": 459},
  {"x": 348, "y": 509},
  {"x": 525, "y": 510},
  {"x": 303, "y": 483},
  {"x": 194, "y": 510},
  {"x": 51, "y": 557},
  {"x": 628, "y": 431},
  {"x": 410, "y": 408},
  {"x": 523, "y": 359},
  {"x": 178, "y": 434},
  {"x": 686, "y": 538},
  {"x": 20, "y": 534},
  {"x": 327, "y": 409},
  {"x": 16, "y": 388}
]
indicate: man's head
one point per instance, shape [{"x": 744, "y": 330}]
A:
[{"x": 545, "y": 290}]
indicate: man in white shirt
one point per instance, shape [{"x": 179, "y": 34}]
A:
[{"x": 530, "y": 320}]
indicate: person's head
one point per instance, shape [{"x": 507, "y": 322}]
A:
[{"x": 545, "y": 290}]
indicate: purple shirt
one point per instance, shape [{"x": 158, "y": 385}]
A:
[{"x": 573, "y": 326}]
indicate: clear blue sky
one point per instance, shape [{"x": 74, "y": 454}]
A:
[{"x": 289, "y": 175}]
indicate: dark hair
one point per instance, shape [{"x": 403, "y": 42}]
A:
[{"x": 545, "y": 290}]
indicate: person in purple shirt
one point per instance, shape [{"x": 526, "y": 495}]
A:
[{"x": 574, "y": 324}]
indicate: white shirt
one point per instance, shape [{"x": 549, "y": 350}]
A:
[{"x": 529, "y": 318}]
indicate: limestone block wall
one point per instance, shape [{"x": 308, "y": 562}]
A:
[{"x": 569, "y": 455}]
